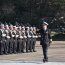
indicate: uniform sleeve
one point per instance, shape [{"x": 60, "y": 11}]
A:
[
  {"x": 50, "y": 37},
  {"x": 49, "y": 34}
]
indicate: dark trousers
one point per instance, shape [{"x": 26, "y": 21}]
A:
[
  {"x": 15, "y": 45},
  {"x": 45, "y": 50},
  {"x": 27, "y": 44},
  {"x": 7, "y": 46},
  {"x": 33, "y": 45},
  {"x": 23, "y": 44},
  {"x": 2, "y": 46},
  {"x": 11, "y": 45},
  {"x": 19, "y": 45}
]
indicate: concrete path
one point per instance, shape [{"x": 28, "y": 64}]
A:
[{"x": 56, "y": 53}]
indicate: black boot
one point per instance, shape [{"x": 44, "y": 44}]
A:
[
  {"x": 34, "y": 50},
  {"x": 45, "y": 60}
]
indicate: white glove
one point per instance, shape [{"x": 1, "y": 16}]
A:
[{"x": 50, "y": 40}]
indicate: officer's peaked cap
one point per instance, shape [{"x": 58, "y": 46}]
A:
[{"x": 45, "y": 23}]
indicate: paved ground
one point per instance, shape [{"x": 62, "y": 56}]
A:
[
  {"x": 32, "y": 63},
  {"x": 39, "y": 63},
  {"x": 56, "y": 53}
]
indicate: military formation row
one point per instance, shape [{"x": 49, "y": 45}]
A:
[{"x": 17, "y": 39}]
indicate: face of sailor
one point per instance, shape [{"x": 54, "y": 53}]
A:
[
  {"x": 31, "y": 28},
  {"x": 23, "y": 28},
  {"x": 44, "y": 27},
  {"x": 2, "y": 26},
  {"x": 34, "y": 28},
  {"x": 7, "y": 27},
  {"x": 11, "y": 27},
  {"x": 20, "y": 28},
  {"x": 27, "y": 30}
]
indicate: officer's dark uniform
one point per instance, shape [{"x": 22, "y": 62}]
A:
[{"x": 45, "y": 37}]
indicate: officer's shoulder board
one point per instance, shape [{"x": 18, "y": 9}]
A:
[{"x": 49, "y": 31}]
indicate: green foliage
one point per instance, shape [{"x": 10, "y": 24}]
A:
[{"x": 31, "y": 11}]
